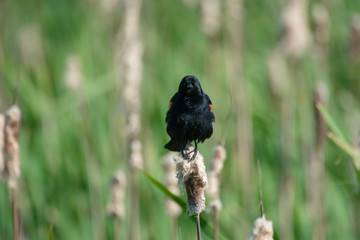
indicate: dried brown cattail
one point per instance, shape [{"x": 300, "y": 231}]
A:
[
  {"x": 217, "y": 162},
  {"x": 2, "y": 143},
  {"x": 115, "y": 207},
  {"x": 262, "y": 230},
  {"x": 297, "y": 33},
  {"x": 73, "y": 74},
  {"x": 172, "y": 208},
  {"x": 354, "y": 48},
  {"x": 192, "y": 177},
  {"x": 12, "y": 158},
  {"x": 210, "y": 16}
]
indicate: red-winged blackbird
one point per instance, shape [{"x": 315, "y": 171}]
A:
[{"x": 189, "y": 117}]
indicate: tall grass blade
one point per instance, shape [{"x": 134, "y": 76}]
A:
[{"x": 330, "y": 122}]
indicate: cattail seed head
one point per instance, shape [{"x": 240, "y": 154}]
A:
[
  {"x": 217, "y": 163},
  {"x": 263, "y": 230},
  {"x": 192, "y": 177},
  {"x": 73, "y": 73},
  {"x": 2, "y": 143},
  {"x": 297, "y": 33},
  {"x": 115, "y": 207},
  {"x": 210, "y": 16},
  {"x": 172, "y": 208},
  {"x": 12, "y": 158},
  {"x": 136, "y": 158},
  {"x": 219, "y": 155}
]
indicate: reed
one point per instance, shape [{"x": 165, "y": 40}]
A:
[
  {"x": 213, "y": 189},
  {"x": 129, "y": 51}
]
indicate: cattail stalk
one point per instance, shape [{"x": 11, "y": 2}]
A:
[
  {"x": 263, "y": 229},
  {"x": 129, "y": 56},
  {"x": 198, "y": 228},
  {"x": 295, "y": 43},
  {"x": 284, "y": 93},
  {"x": 192, "y": 177},
  {"x": 316, "y": 169},
  {"x": 217, "y": 163},
  {"x": 12, "y": 160},
  {"x": 243, "y": 167}
]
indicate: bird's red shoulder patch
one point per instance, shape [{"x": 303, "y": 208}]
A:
[
  {"x": 210, "y": 106},
  {"x": 170, "y": 103}
]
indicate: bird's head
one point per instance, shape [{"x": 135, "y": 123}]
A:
[{"x": 189, "y": 86}]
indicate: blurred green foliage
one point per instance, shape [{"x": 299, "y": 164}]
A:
[{"x": 71, "y": 142}]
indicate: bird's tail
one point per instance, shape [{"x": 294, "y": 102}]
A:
[{"x": 173, "y": 145}]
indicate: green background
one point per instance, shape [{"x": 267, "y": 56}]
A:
[{"x": 71, "y": 142}]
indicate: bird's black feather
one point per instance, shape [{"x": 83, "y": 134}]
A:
[{"x": 189, "y": 117}]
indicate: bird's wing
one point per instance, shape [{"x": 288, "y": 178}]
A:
[
  {"x": 208, "y": 101},
  {"x": 172, "y": 100}
]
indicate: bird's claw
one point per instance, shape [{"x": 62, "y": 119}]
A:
[{"x": 195, "y": 152}]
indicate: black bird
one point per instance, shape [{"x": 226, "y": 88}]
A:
[{"x": 189, "y": 117}]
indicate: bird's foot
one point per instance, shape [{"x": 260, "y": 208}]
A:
[
  {"x": 195, "y": 152},
  {"x": 191, "y": 155}
]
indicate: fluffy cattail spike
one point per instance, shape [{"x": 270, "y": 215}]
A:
[
  {"x": 217, "y": 163},
  {"x": 12, "y": 158},
  {"x": 263, "y": 230},
  {"x": 115, "y": 206},
  {"x": 192, "y": 177}
]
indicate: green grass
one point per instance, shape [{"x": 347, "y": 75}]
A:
[{"x": 71, "y": 143}]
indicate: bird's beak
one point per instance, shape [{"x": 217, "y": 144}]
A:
[{"x": 189, "y": 86}]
